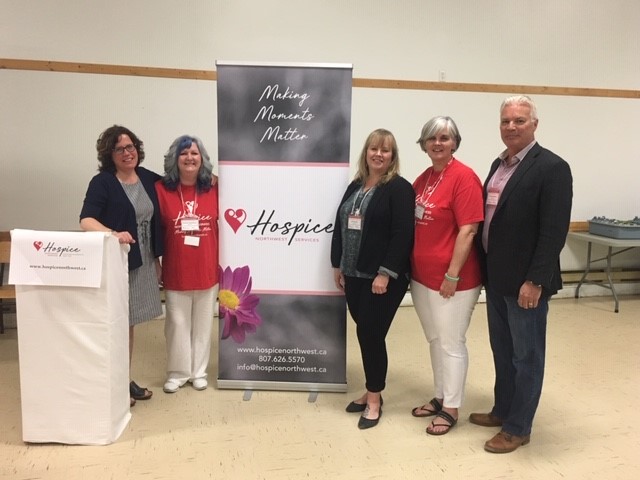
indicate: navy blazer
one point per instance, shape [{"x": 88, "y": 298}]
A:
[
  {"x": 387, "y": 233},
  {"x": 530, "y": 224},
  {"x": 107, "y": 202}
]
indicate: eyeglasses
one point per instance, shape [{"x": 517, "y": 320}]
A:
[{"x": 129, "y": 148}]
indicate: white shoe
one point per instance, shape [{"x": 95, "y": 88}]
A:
[
  {"x": 171, "y": 386},
  {"x": 199, "y": 383}
]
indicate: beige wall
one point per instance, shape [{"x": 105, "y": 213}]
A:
[{"x": 50, "y": 121}]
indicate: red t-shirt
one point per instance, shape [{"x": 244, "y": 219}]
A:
[
  {"x": 184, "y": 266},
  {"x": 456, "y": 200}
]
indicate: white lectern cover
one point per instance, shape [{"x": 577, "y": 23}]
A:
[{"x": 73, "y": 351}]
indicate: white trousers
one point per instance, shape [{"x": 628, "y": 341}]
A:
[
  {"x": 187, "y": 329},
  {"x": 445, "y": 322}
]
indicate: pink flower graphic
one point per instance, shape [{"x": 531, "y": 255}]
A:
[{"x": 237, "y": 304}]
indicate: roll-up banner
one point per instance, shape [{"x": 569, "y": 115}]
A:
[{"x": 283, "y": 154}]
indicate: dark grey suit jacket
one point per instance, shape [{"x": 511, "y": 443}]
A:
[{"x": 530, "y": 225}]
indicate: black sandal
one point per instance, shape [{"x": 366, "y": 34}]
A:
[
  {"x": 445, "y": 416},
  {"x": 434, "y": 403},
  {"x": 139, "y": 393}
]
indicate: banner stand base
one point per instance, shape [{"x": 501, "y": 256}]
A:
[{"x": 249, "y": 385}]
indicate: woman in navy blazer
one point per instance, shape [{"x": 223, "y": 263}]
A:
[
  {"x": 370, "y": 251},
  {"x": 122, "y": 199}
]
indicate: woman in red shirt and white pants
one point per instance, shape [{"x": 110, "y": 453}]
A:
[
  {"x": 445, "y": 270},
  {"x": 188, "y": 198}
]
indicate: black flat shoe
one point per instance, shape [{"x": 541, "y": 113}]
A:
[
  {"x": 354, "y": 407},
  {"x": 139, "y": 393},
  {"x": 364, "y": 423}
]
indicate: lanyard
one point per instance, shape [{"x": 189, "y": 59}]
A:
[
  {"x": 191, "y": 209},
  {"x": 428, "y": 191},
  {"x": 354, "y": 210}
]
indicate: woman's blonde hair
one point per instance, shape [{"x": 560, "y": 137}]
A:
[{"x": 378, "y": 137}]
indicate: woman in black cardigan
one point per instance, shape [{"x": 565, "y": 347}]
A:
[
  {"x": 122, "y": 199},
  {"x": 370, "y": 251}
]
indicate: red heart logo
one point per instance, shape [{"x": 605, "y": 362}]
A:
[
  {"x": 235, "y": 218},
  {"x": 38, "y": 245}
]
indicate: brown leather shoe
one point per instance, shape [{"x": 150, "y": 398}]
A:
[
  {"x": 504, "y": 442},
  {"x": 485, "y": 420}
]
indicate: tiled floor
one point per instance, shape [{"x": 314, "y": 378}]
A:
[{"x": 587, "y": 426}]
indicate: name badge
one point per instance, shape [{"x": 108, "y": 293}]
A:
[
  {"x": 190, "y": 224},
  {"x": 492, "y": 197},
  {"x": 419, "y": 212},
  {"x": 192, "y": 241},
  {"x": 355, "y": 222}
]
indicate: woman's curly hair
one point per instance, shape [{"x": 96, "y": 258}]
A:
[{"x": 107, "y": 143}]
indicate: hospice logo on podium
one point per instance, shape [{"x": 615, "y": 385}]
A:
[
  {"x": 56, "y": 258},
  {"x": 51, "y": 249}
]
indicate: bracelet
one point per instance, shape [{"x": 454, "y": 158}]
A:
[{"x": 450, "y": 278}]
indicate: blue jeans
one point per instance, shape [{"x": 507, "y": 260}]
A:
[{"x": 517, "y": 337}]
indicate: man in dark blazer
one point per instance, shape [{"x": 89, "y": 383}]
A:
[{"x": 528, "y": 196}]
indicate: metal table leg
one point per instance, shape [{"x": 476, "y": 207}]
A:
[
  {"x": 613, "y": 290},
  {"x": 586, "y": 271}
]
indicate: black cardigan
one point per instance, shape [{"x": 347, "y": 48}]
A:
[
  {"x": 107, "y": 202},
  {"x": 387, "y": 234}
]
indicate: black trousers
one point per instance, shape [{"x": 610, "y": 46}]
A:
[{"x": 373, "y": 314}]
